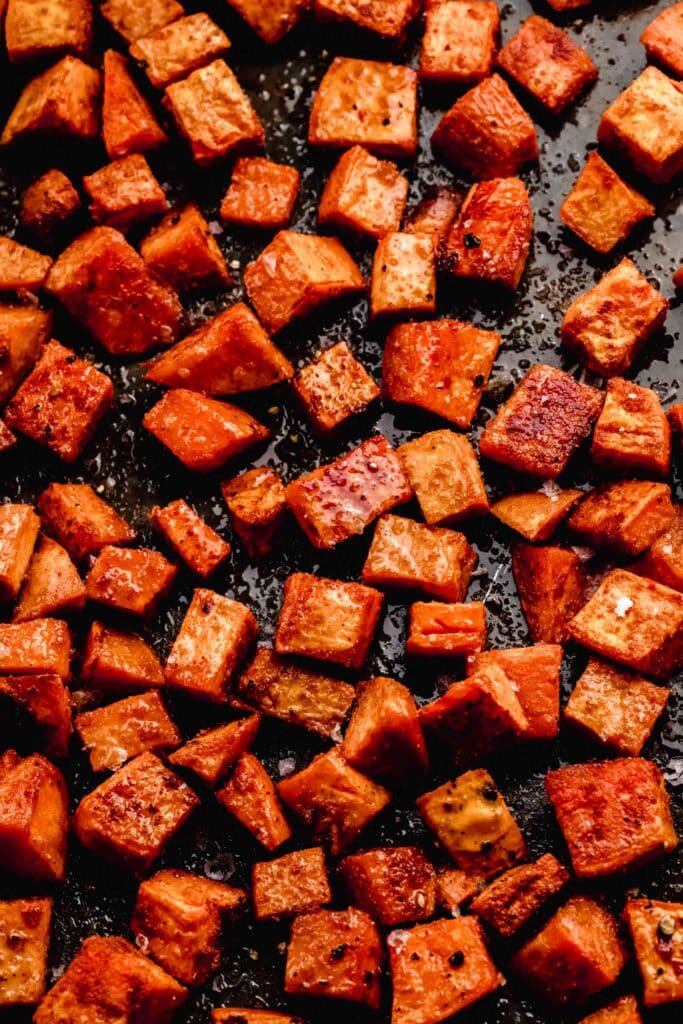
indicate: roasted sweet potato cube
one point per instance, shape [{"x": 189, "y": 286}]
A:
[
  {"x": 536, "y": 514},
  {"x": 333, "y": 799},
  {"x": 52, "y": 585},
  {"x": 662, "y": 562},
  {"x": 363, "y": 195},
  {"x": 214, "y": 638},
  {"x": 47, "y": 701},
  {"x": 675, "y": 418},
  {"x": 656, "y": 929},
  {"x": 434, "y": 214},
  {"x": 384, "y": 739},
  {"x": 134, "y": 580},
  {"x": 19, "y": 526},
  {"x": 250, "y": 796},
  {"x": 296, "y": 273},
  {"x": 293, "y": 884},
  {"x": 80, "y": 520},
  {"x": 182, "y": 251},
  {"x": 645, "y": 125},
  {"x": 663, "y": 38},
  {"x": 135, "y": 18},
  {"x": 437, "y": 629},
  {"x": 534, "y": 673},
  {"x": 601, "y": 208},
  {"x": 110, "y": 980},
  {"x": 627, "y": 516},
  {"x": 24, "y": 942},
  {"x": 23, "y": 332},
  {"x": 444, "y": 473},
  {"x": 403, "y": 275},
  {"x": 632, "y": 433},
  {"x": 271, "y": 22},
  {"x": 21, "y": 268},
  {"x": 128, "y": 122},
  {"x": 454, "y": 888},
  {"x": 131, "y": 816},
  {"x": 35, "y": 647},
  {"x": 64, "y": 27},
  {"x": 199, "y": 546},
  {"x": 552, "y": 585},
  {"x": 258, "y": 509},
  {"x": 607, "y": 326},
  {"x": 634, "y": 621},
  {"x": 61, "y": 101},
  {"x": 577, "y": 954},
  {"x": 261, "y": 194},
  {"x": 293, "y": 693},
  {"x": 214, "y": 114},
  {"x": 333, "y": 620},
  {"x": 172, "y": 51},
  {"x": 7, "y": 438},
  {"x": 486, "y": 133},
  {"x": 333, "y": 388},
  {"x": 48, "y": 204},
  {"x": 178, "y": 920},
  {"x": 388, "y": 20},
  {"x": 459, "y": 41},
  {"x": 34, "y": 819},
  {"x": 472, "y": 822},
  {"x": 213, "y": 752},
  {"x": 118, "y": 732},
  {"x": 341, "y": 499},
  {"x": 125, "y": 192},
  {"x": 393, "y": 885},
  {"x": 614, "y": 815},
  {"x": 622, "y": 1011},
  {"x": 442, "y": 366},
  {"x": 367, "y": 103},
  {"x": 438, "y": 969},
  {"x": 512, "y": 898},
  {"x": 237, "y": 1014}
]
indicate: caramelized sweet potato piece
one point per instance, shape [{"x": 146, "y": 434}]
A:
[
  {"x": 534, "y": 673},
  {"x": 437, "y": 629},
  {"x": 663, "y": 38},
  {"x": 622, "y": 1011},
  {"x": 48, "y": 204},
  {"x": 552, "y": 585},
  {"x": 258, "y": 509},
  {"x": 21, "y": 268},
  {"x": 601, "y": 208},
  {"x": 52, "y": 585},
  {"x": 459, "y": 41},
  {"x": 182, "y": 251},
  {"x": 23, "y": 332},
  {"x": 35, "y": 647},
  {"x": 388, "y": 20},
  {"x": 662, "y": 562},
  {"x": 394, "y": 885},
  {"x": 172, "y": 51},
  {"x": 512, "y": 898},
  {"x": 454, "y": 888},
  {"x": 210, "y": 754},
  {"x": 135, "y": 18},
  {"x": 64, "y": 27},
  {"x": 333, "y": 388},
  {"x": 114, "y": 661},
  {"x": 114, "y": 734},
  {"x": 34, "y": 819},
  {"x": 134, "y": 580},
  {"x": 62, "y": 101},
  {"x": 626, "y": 516},
  {"x": 250, "y": 796},
  {"x": 675, "y": 418},
  {"x": 261, "y": 194},
  {"x": 384, "y": 739},
  {"x": 289, "y": 885},
  {"x": 124, "y": 192},
  {"x": 363, "y": 195},
  {"x": 7, "y": 438},
  {"x": 632, "y": 433},
  {"x": 24, "y": 943},
  {"x": 271, "y": 22},
  {"x": 443, "y": 471},
  {"x": 199, "y": 546},
  {"x": 80, "y": 520},
  {"x": 537, "y": 514},
  {"x": 656, "y": 929},
  {"x": 19, "y": 526},
  {"x": 128, "y": 123},
  {"x": 403, "y": 275},
  {"x": 47, "y": 701}
]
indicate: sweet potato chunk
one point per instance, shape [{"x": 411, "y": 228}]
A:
[
  {"x": 534, "y": 673},
  {"x": 675, "y": 418},
  {"x": 62, "y": 101},
  {"x": 403, "y": 275},
  {"x": 214, "y": 114},
  {"x": 261, "y": 194},
  {"x": 47, "y": 701},
  {"x": 258, "y": 509},
  {"x": 24, "y": 942},
  {"x": 552, "y": 585},
  {"x": 645, "y": 124},
  {"x": 213, "y": 752},
  {"x": 626, "y": 516},
  {"x": 663, "y": 38},
  {"x": 444, "y": 473},
  {"x": 135, "y": 18},
  {"x": 472, "y": 822},
  {"x": 656, "y": 931},
  {"x": 438, "y": 969},
  {"x": 182, "y": 251},
  {"x": 125, "y": 192},
  {"x": 114, "y": 734},
  {"x": 577, "y": 954},
  {"x": 114, "y": 661},
  {"x": 634, "y": 621},
  {"x": 606, "y": 327},
  {"x": 215, "y": 635},
  {"x": 336, "y": 501},
  {"x": 80, "y": 520},
  {"x": 58, "y": 28},
  {"x": 48, "y": 204},
  {"x": 128, "y": 123},
  {"x": 434, "y": 214},
  {"x": 178, "y": 919},
  {"x": 250, "y": 796},
  {"x": 601, "y": 208},
  {"x": 202, "y": 433},
  {"x": 333, "y": 799},
  {"x": 7, "y": 438},
  {"x": 199, "y": 546},
  {"x": 35, "y": 647},
  {"x": 295, "y": 274},
  {"x": 632, "y": 433},
  {"x": 459, "y": 41},
  {"x": 134, "y": 580},
  {"x": 384, "y": 739},
  {"x": 172, "y": 51},
  {"x": 438, "y": 629},
  {"x": 393, "y": 885},
  {"x": 52, "y": 585},
  {"x": 662, "y": 562},
  {"x": 536, "y": 515},
  {"x": 131, "y": 816},
  {"x": 271, "y": 22},
  {"x": 367, "y": 103},
  {"x": 335, "y": 953},
  {"x": 293, "y": 884},
  {"x": 512, "y": 898},
  {"x": 293, "y": 693},
  {"x": 454, "y": 888},
  {"x": 614, "y": 815},
  {"x": 387, "y": 20},
  {"x": 622, "y": 1011},
  {"x": 486, "y": 133},
  {"x": 332, "y": 620},
  {"x": 34, "y": 819},
  {"x": 23, "y": 332},
  {"x": 19, "y": 526},
  {"x": 21, "y": 268},
  {"x": 363, "y": 195},
  {"x": 333, "y": 388}
]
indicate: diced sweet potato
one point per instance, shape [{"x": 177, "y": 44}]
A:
[
  {"x": 486, "y": 133},
  {"x": 552, "y": 585},
  {"x": 626, "y": 516},
  {"x": 52, "y": 585},
  {"x": 333, "y": 799},
  {"x": 454, "y": 888},
  {"x": 394, "y": 885},
  {"x": 293, "y": 693},
  {"x": 459, "y": 41},
  {"x": 178, "y": 920},
  {"x": 214, "y": 114},
  {"x": 271, "y": 22},
  {"x": 332, "y": 620},
  {"x": 250, "y": 796},
  {"x": 535, "y": 676},
  {"x": 23, "y": 332},
  {"x": 134, "y": 580},
  {"x": 19, "y": 526},
  {"x": 258, "y": 509},
  {"x": 182, "y": 251},
  {"x": 7, "y": 438},
  {"x": 80, "y": 520},
  {"x": 367, "y": 103},
  {"x": 614, "y": 815},
  {"x": 213, "y": 752},
  {"x": 662, "y": 562},
  {"x": 128, "y": 123},
  {"x": 64, "y": 27},
  {"x": 115, "y": 662},
  {"x": 511, "y": 899},
  {"x": 24, "y": 942},
  {"x": 333, "y": 388},
  {"x": 341, "y": 499},
  {"x": 135, "y": 18},
  {"x": 215, "y": 635},
  {"x": 656, "y": 929},
  {"x": 172, "y": 51},
  {"x": 601, "y": 208},
  {"x": 118, "y": 732},
  {"x": 261, "y": 194},
  {"x": 622, "y": 1011},
  {"x": 536, "y": 515},
  {"x": 645, "y": 124},
  {"x": 131, "y": 816},
  {"x": 34, "y": 819},
  {"x": 388, "y": 20},
  {"x": 125, "y": 192},
  {"x": 434, "y": 214},
  {"x": 47, "y": 701},
  {"x": 35, "y": 647},
  {"x": 48, "y": 204},
  {"x": 293, "y": 884},
  {"x": 663, "y": 38},
  {"x": 295, "y": 273},
  {"x": 444, "y": 473},
  {"x": 363, "y": 195},
  {"x": 109, "y": 980},
  {"x": 577, "y": 954},
  {"x": 675, "y": 418},
  {"x": 607, "y": 326},
  {"x": 199, "y": 546},
  {"x": 442, "y": 366},
  {"x": 438, "y": 969},
  {"x": 632, "y": 433},
  {"x": 62, "y": 101},
  {"x": 472, "y": 822},
  {"x": 437, "y": 629},
  {"x": 21, "y": 268},
  {"x": 403, "y": 275},
  {"x": 237, "y": 1014},
  {"x": 384, "y": 739}
]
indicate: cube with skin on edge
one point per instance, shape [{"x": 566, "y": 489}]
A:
[
  {"x": 61, "y": 28},
  {"x": 271, "y": 23},
  {"x": 434, "y": 214},
  {"x": 632, "y": 433},
  {"x": 124, "y": 192},
  {"x": 333, "y": 388},
  {"x": 19, "y": 526},
  {"x": 333, "y": 799},
  {"x": 211, "y": 753},
  {"x": 250, "y": 796},
  {"x": 394, "y": 885},
  {"x": 178, "y": 920},
  {"x": 459, "y": 41},
  {"x": 535, "y": 676},
  {"x": 403, "y": 276},
  {"x": 622, "y": 1011},
  {"x": 24, "y": 944},
  {"x": 60, "y": 102},
  {"x": 438, "y": 629},
  {"x": 182, "y": 251},
  {"x": 128, "y": 122},
  {"x": 258, "y": 509},
  {"x": 627, "y": 516},
  {"x": 200, "y": 547},
  {"x": 51, "y": 586},
  {"x": 261, "y": 194},
  {"x": 134, "y": 580},
  {"x": 81, "y": 520},
  {"x": 663, "y": 38},
  {"x": 48, "y": 204},
  {"x": 46, "y": 700},
  {"x": 135, "y": 18},
  {"x": 363, "y": 195},
  {"x": 120, "y": 731},
  {"x": 21, "y": 268},
  {"x": 552, "y": 586},
  {"x": 444, "y": 473},
  {"x": 34, "y": 818},
  {"x": 656, "y": 929},
  {"x": 601, "y": 208},
  {"x": 23, "y": 332},
  {"x": 171, "y": 52},
  {"x": 536, "y": 514},
  {"x": 512, "y": 898},
  {"x": 662, "y": 562},
  {"x": 389, "y": 21},
  {"x": 35, "y": 647},
  {"x": 290, "y": 885}
]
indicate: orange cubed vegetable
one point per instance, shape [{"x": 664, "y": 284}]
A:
[
  {"x": 64, "y": 26},
  {"x": 7, "y": 438},
  {"x": 434, "y": 214},
  {"x": 663, "y": 38},
  {"x": 62, "y": 101},
  {"x": 118, "y": 732},
  {"x": 514, "y": 897},
  {"x": 454, "y": 888},
  {"x": 437, "y": 629},
  {"x": 172, "y": 51},
  {"x": 258, "y": 509},
  {"x": 80, "y": 520},
  {"x": 199, "y": 546},
  {"x": 21, "y": 268},
  {"x": 534, "y": 673},
  {"x": 134, "y": 580},
  {"x": 627, "y": 516},
  {"x": 394, "y": 885},
  {"x": 333, "y": 388},
  {"x": 537, "y": 514},
  {"x": 403, "y": 275},
  {"x": 250, "y": 796},
  {"x": 459, "y": 41},
  {"x": 183, "y": 252},
  {"x": 552, "y": 585},
  {"x": 52, "y": 585},
  {"x": 19, "y": 526},
  {"x": 210, "y": 754},
  {"x": 675, "y": 418},
  {"x": 128, "y": 122},
  {"x": 289, "y": 885},
  {"x": 656, "y": 929},
  {"x": 444, "y": 473},
  {"x": 48, "y": 204},
  {"x": 24, "y": 943},
  {"x": 384, "y": 739},
  {"x": 135, "y": 18},
  {"x": 23, "y": 332},
  {"x": 261, "y": 194},
  {"x": 632, "y": 433},
  {"x": 271, "y": 22},
  {"x": 388, "y": 20},
  {"x": 35, "y": 647},
  {"x": 662, "y": 562},
  {"x": 601, "y": 208},
  {"x": 46, "y": 700},
  {"x": 622, "y": 1011},
  {"x": 34, "y": 819},
  {"x": 124, "y": 192},
  {"x": 363, "y": 195}
]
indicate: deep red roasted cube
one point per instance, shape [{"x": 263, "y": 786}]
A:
[
  {"x": 24, "y": 943},
  {"x": 134, "y": 580},
  {"x": 262, "y": 194},
  {"x": 627, "y": 516},
  {"x": 552, "y": 585},
  {"x": 182, "y": 251},
  {"x": 125, "y": 192},
  {"x": 290, "y": 885},
  {"x": 514, "y": 897},
  {"x": 363, "y": 195},
  {"x": 333, "y": 388},
  {"x": 656, "y": 929},
  {"x": 250, "y": 796},
  {"x": 19, "y": 526},
  {"x": 34, "y": 818},
  {"x": 271, "y": 22},
  {"x": 199, "y": 546},
  {"x": 23, "y": 332},
  {"x": 454, "y": 888},
  {"x": 60, "y": 102},
  {"x": 47, "y": 701},
  {"x": 211, "y": 753},
  {"x": 534, "y": 673},
  {"x": 80, "y": 520},
  {"x": 116, "y": 662},
  {"x": 52, "y": 585},
  {"x": 459, "y": 41},
  {"x": 632, "y": 433},
  {"x": 21, "y": 268},
  {"x": 444, "y": 473},
  {"x": 172, "y": 51},
  {"x": 258, "y": 509},
  {"x": 48, "y": 204},
  {"x": 394, "y": 885},
  {"x": 403, "y": 275},
  {"x": 663, "y": 38},
  {"x": 601, "y": 208},
  {"x": 128, "y": 122},
  {"x": 117, "y": 732}
]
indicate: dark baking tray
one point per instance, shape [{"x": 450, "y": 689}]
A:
[{"x": 131, "y": 471}]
